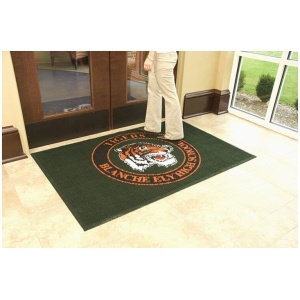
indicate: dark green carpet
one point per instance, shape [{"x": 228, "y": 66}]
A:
[{"x": 101, "y": 179}]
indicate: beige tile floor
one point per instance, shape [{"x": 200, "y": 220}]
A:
[{"x": 254, "y": 205}]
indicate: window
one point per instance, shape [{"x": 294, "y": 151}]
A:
[{"x": 264, "y": 87}]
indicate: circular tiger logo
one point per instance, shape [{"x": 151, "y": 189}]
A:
[
  {"x": 142, "y": 155},
  {"x": 141, "y": 159}
]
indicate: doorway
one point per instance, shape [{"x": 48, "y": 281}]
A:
[{"x": 110, "y": 91}]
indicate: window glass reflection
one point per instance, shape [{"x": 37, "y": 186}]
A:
[
  {"x": 248, "y": 96},
  {"x": 286, "y": 112},
  {"x": 64, "y": 81},
  {"x": 137, "y": 78}
]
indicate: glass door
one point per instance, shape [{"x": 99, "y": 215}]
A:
[
  {"x": 137, "y": 77},
  {"x": 64, "y": 80},
  {"x": 63, "y": 94},
  {"x": 69, "y": 94},
  {"x": 128, "y": 88}
]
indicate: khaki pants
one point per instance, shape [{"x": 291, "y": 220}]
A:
[{"x": 161, "y": 84}]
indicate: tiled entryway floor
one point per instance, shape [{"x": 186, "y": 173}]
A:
[{"x": 252, "y": 205}]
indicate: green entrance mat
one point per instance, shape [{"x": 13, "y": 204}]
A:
[{"x": 103, "y": 178}]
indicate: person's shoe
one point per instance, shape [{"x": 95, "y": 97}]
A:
[
  {"x": 143, "y": 130},
  {"x": 163, "y": 137}
]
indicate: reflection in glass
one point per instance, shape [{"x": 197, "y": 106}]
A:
[
  {"x": 246, "y": 96},
  {"x": 286, "y": 112},
  {"x": 64, "y": 80},
  {"x": 137, "y": 78}
]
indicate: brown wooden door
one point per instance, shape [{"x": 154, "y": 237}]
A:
[{"x": 112, "y": 106}]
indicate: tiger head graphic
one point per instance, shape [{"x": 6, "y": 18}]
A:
[{"x": 140, "y": 156}]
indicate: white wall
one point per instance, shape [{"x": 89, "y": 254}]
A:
[{"x": 203, "y": 70}]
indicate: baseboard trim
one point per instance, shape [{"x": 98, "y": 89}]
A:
[
  {"x": 204, "y": 102},
  {"x": 11, "y": 145},
  {"x": 8, "y": 160}
]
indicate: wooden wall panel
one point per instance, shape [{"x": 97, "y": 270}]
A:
[
  {"x": 118, "y": 78},
  {"x": 100, "y": 81},
  {"x": 28, "y": 85}
]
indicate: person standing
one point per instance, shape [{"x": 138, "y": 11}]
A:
[{"x": 161, "y": 83}]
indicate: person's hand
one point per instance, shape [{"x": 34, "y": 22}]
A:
[{"x": 148, "y": 64}]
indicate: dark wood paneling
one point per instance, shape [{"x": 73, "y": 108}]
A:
[
  {"x": 28, "y": 85},
  {"x": 129, "y": 115},
  {"x": 203, "y": 102},
  {"x": 132, "y": 114},
  {"x": 100, "y": 81},
  {"x": 118, "y": 78},
  {"x": 197, "y": 103},
  {"x": 67, "y": 127},
  {"x": 220, "y": 102}
]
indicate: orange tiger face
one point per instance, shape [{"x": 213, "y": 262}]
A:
[{"x": 140, "y": 156}]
